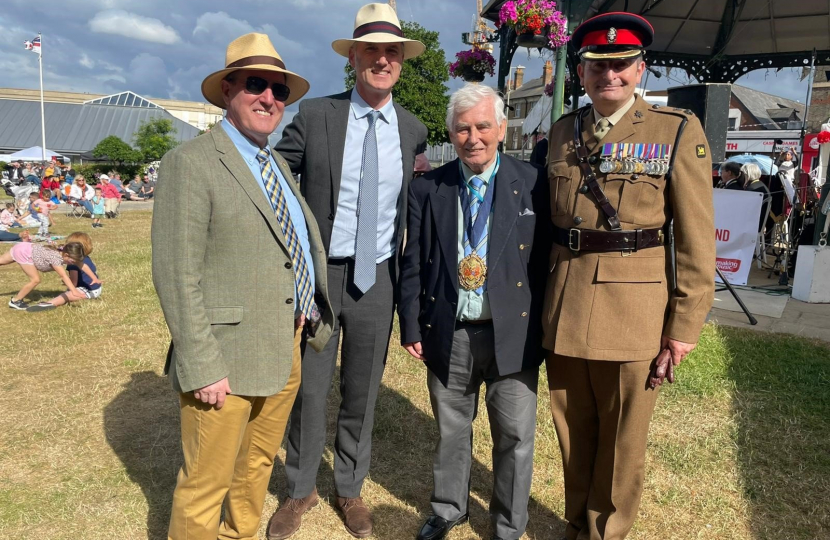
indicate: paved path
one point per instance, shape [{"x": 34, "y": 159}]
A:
[{"x": 799, "y": 318}]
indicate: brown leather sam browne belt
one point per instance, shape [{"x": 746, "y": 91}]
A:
[{"x": 591, "y": 240}]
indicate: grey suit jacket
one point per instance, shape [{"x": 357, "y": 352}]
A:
[
  {"x": 223, "y": 273},
  {"x": 313, "y": 147}
]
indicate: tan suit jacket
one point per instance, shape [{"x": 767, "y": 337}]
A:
[
  {"x": 616, "y": 306},
  {"x": 223, "y": 273}
]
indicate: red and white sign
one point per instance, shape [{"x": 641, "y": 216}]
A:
[
  {"x": 736, "y": 232},
  {"x": 760, "y": 146}
]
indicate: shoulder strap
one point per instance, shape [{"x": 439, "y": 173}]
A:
[{"x": 589, "y": 176}]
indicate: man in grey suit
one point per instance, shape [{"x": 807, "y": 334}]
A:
[
  {"x": 472, "y": 290},
  {"x": 234, "y": 253},
  {"x": 355, "y": 153}
]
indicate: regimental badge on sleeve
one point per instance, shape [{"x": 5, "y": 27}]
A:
[{"x": 701, "y": 151}]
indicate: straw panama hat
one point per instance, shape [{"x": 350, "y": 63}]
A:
[
  {"x": 252, "y": 51},
  {"x": 378, "y": 23}
]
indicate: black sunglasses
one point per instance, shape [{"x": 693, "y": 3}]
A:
[{"x": 257, "y": 85}]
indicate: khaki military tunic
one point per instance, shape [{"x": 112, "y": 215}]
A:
[{"x": 615, "y": 305}]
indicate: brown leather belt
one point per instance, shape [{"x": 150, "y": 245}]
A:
[{"x": 591, "y": 240}]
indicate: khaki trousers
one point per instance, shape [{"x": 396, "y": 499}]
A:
[
  {"x": 111, "y": 205},
  {"x": 228, "y": 456},
  {"x": 601, "y": 410}
]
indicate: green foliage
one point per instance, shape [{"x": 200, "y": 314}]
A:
[
  {"x": 421, "y": 89},
  {"x": 154, "y": 138},
  {"x": 208, "y": 128},
  {"x": 117, "y": 151},
  {"x": 88, "y": 170},
  {"x": 3, "y": 165}
]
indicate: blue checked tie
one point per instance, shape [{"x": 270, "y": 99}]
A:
[
  {"x": 366, "y": 243},
  {"x": 302, "y": 279},
  {"x": 475, "y": 203}
]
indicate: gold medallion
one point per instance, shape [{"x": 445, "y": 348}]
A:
[{"x": 472, "y": 272}]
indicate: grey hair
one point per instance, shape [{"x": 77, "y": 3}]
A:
[
  {"x": 468, "y": 97},
  {"x": 751, "y": 172}
]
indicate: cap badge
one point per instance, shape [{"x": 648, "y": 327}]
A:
[{"x": 612, "y": 35}]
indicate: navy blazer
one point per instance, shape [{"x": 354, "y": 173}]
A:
[{"x": 520, "y": 243}]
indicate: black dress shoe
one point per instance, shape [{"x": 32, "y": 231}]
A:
[{"x": 436, "y": 528}]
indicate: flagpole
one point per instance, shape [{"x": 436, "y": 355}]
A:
[{"x": 42, "y": 115}]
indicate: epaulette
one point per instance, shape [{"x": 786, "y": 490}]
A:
[
  {"x": 572, "y": 113},
  {"x": 674, "y": 111}
]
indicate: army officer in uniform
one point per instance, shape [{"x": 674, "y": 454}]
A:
[{"x": 620, "y": 171}]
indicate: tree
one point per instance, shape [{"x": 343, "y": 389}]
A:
[
  {"x": 116, "y": 151},
  {"x": 421, "y": 89},
  {"x": 154, "y": 138}
]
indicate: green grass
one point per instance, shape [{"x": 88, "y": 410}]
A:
[{"x": 739, "y": 446}]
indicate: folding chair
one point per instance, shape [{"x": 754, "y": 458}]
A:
[{"x": 75, "y": 210}]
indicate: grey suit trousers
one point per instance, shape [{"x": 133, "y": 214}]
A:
[
  {"x": 511, "y": 408},
  {"x": 366, "y": 321}
]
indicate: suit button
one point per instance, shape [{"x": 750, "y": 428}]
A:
[
  {"x": 515, "y": 192},
  {"x": 331, "y": 217},
  {"x": 583, "y": 190},
  {"x": 288, "y": 266},
  {"x": 593, "y": 160},
  {"x": 430, "y": 261},
  {"x": 289, "y": 300},
  {"x": 521, "y": 246},
  {"x": 519, "y": 284},
  {"x": 524, "y": 313},
  {"x": 428, "y": 325},
  {"x": 432, "y": 299},
  {"x": 577, "y": 220}
]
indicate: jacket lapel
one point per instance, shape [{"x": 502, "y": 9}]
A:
[
  {"x": 506, "y": 204},
  {"x": 232, "y": 159},
  {"x": 337, "y": 121},
  {"x": 444, "y": 210}
]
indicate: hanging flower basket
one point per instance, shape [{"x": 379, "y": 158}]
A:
[
  {"x": 537, "y": 23},
  {"x": 473, "y": 65},
  {"x": 532, "y": 41},
  {"x": 823, "y": 137},
  {"x": 469, "y": 74}
]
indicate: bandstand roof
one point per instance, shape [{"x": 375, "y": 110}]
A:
[{"x": 721, "y": 40}]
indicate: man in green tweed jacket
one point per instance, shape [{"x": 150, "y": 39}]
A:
[{"x": 234, "y": 253}]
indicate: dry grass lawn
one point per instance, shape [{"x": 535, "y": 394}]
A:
[{"x": 89, "y": 448}]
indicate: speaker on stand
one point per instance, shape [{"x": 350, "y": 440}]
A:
[{"x": 710, "y": 103}]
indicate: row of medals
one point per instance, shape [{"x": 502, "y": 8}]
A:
[{"x": 634, "y": 166}]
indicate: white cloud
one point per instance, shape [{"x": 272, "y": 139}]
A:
[
  {"x": 86, "y": 61},
  {"x": 124, "y": 23},
  {"x": 220, "y": 27}
]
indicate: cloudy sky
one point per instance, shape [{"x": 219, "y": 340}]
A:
[{"x": 164, "y": 48}]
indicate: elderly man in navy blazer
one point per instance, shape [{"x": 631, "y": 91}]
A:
[{"x": 472, "y": 288}]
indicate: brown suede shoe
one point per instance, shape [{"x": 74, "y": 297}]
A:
[
  {"x": 288, "y": 518},
  {"x": 356, "y": 516}
]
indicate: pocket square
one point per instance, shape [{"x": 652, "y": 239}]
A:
[{"x": 527, "y": 212}]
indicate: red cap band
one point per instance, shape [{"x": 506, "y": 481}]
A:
[{"x": 623, "y": 37}]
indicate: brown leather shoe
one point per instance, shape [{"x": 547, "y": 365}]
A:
[
  {"x": 288, "y": 518},
  {"x": 356, "y": 516}
]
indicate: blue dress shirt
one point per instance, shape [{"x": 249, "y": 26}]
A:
[
  {"x": 248, "y": 150},
  {"x": 390, "y": 174}
]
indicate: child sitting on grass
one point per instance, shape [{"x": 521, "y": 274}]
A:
[
  {"x": 84, "y": 276},
  {"x": 36, "y": 258},
  {"x": 8, "y": 217}
]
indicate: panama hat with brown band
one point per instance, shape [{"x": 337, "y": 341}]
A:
[
  {"x": 255, "y": 52},
  {"x": 378, "y": 23}
]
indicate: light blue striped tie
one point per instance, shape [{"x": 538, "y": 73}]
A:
[
  {"x": 302, "y": 279},
  {"x": 366, "y": 242},
  {"x": 475, "y": 202}
]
